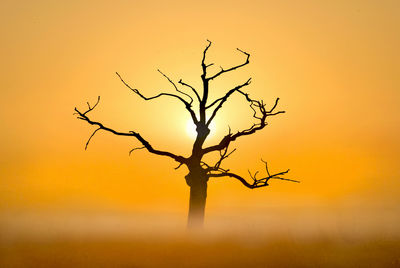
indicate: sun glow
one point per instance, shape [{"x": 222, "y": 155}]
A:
[{"x": 191, "y": 129}]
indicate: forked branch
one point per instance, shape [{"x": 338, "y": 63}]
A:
[
  {"x": 83, "y": 116},
  {"x": 232, "y": 68},
  {"x": 192, "y": 88},
  {"x": 259, "y": 112},
  {"x": 223, "y": 99},
  {"x": 176, "y": 88},
  {"x": 223, "y": 154},
  {"x": 256, "y": 183},
  {"x": 187, "y": 104},
  {"x": 203, "y": 61}
]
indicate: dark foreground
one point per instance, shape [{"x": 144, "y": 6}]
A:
[{"x": 200, "y": 252}]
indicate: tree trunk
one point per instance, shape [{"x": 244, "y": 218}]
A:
[{"x": 197, "y": 203}]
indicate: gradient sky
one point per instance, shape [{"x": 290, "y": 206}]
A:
[{"x": 334, "y": 64}]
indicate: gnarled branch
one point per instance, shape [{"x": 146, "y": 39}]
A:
[
  {"x": 223, "y": 99},
  {"x": 260, "y": 113},
  {"x": 83, "y": 116},
  {"x": 187, "y": 104},
  {"x": 232, "y": 68},
  {"x": 203, "y": 63},
  {"x": 192, "y": 88},
  {"x": 176, "y": 88},
  {"x": 257, "y": 183}
]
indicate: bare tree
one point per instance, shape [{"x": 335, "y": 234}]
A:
[{"x": 199, "y": 171}]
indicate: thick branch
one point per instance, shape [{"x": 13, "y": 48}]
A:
[
  {"x": 187, "y": 104},
  {"x": 83, "y": 116},
  {"x": 203, "y": 102}
]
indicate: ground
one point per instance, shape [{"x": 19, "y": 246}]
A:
[{"x": 200, "y": 251}]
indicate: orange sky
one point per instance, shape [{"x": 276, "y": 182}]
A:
[{"x": 334, "y": 64}]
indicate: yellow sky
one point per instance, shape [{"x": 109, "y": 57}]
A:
[{"x": 334, "y": 64}]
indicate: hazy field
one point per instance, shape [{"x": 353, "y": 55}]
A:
[
  {"x": 182, "y": 251},
  {"x": 114, "y": 240}
]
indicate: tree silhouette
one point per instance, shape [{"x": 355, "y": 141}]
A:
[{"x": 200, "y": 171}]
